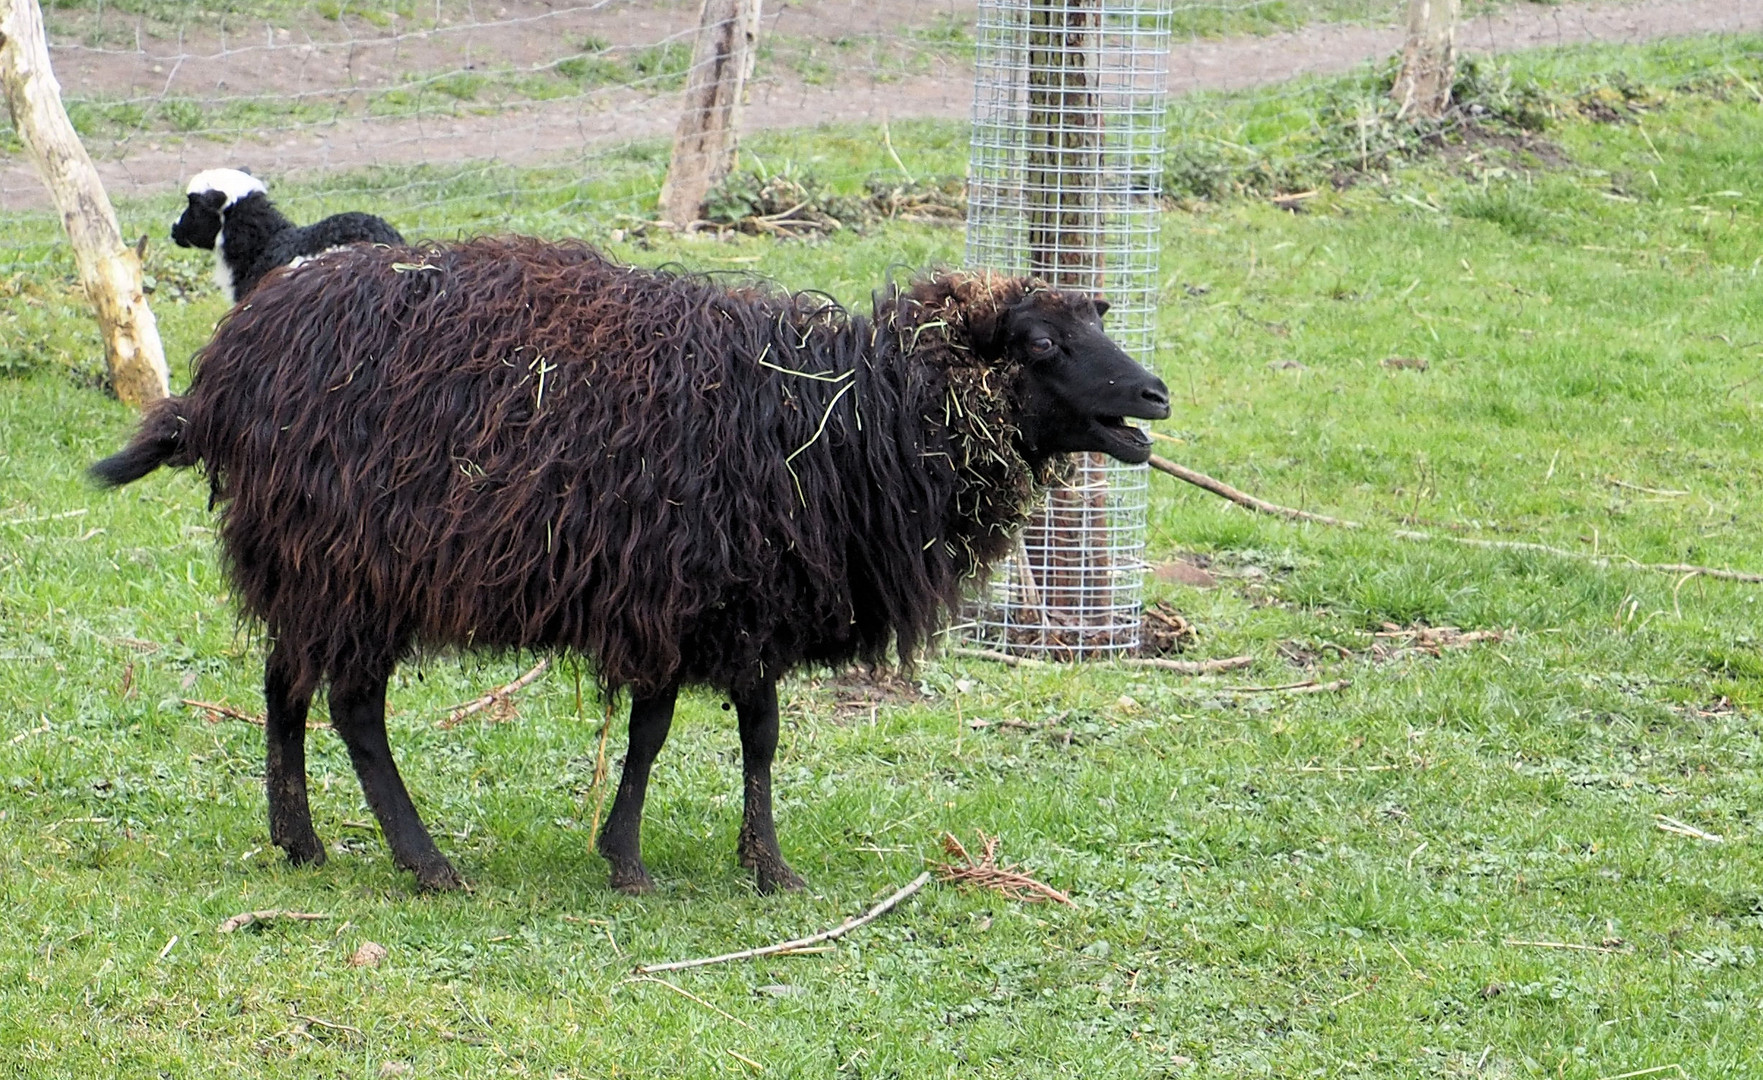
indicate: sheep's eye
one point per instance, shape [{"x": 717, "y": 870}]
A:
[{"x": 1041, "y": 346}]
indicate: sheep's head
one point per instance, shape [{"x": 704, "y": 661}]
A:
[
  {"x": 1077, "y": 387},
  {"x": 211, "y": 193}
]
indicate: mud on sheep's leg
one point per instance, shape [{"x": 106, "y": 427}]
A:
[
  {"x": 621, "y": 840},
  {"x": 757, "y": 709},
  {"x": 358, "y": 712},
  {"x": 284, "y": 769}
]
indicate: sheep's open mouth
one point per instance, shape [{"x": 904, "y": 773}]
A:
[{"x": 1130, "y": 443}]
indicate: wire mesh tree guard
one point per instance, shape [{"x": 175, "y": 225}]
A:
[{"x": 1068, "y": 119}]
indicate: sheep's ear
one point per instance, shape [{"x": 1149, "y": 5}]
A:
[
  {"x": 985, "y": 330},
  {"x": 1102, "y": 306}
]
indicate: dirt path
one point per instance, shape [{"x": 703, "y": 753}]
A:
[{"x": 535, "y": 132}]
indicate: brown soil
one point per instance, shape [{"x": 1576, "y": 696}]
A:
[{"x": 332, "y": 62}]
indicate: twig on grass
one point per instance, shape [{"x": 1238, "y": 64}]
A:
[
  {"x": 500, "y": 695},
  {"x": 600, "y": 776},
  {"x": 836, "y": 932},
  {"x": 328, "y": 1025},
  {"x": 1262, "y": 506},
  {"x": 219, "y": 712},
  {"x": 1308, "y": 686},
  {"x": 246, "y": 918},
  {"x": 1561, "y": 945},
  {"x": 1191, "y": 667},
  {"x": 1665, "y": 492},
  {"x": 1244, "y": 499},
  {"x": 987, "y": 874},
  {"x": 1679, "y": 828},
  {"x": 992, "y": 654},
  {"x": 681, "y": 991}
]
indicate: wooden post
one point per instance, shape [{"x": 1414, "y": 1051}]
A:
[
  {"x": 110, "y": 271},
  {"x": 1064, "y": 144},
  {"x": 710, "y": 119},
  {"x": 1062, "y": 191},
  {"x": 1429, "y": 60}
]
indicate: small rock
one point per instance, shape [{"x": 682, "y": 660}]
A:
[
  {"x": 368, "y": 955},
  {"x": 1405, "y": 363},
  {"x": 1127, "y": 705},
  {"x": 395, "y": 1068}
]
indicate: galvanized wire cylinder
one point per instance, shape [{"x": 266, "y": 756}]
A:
[{"x": 1068, "y": 117}]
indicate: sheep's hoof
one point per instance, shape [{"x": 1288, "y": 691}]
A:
[
  {"x": 778, "y": 876},
  {"x": 438, "y": 876},
  {"x": 306, "y": 851},
  {"x": 632, "y": 879}
]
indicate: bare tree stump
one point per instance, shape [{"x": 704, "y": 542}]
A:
[
  {"x": 710, "y": 119},
  {"x": 110, "y": 271},
  {"x": 1429, "y": 60}
]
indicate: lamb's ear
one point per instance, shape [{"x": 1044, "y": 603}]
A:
[{"x": 1102, "y": 306}]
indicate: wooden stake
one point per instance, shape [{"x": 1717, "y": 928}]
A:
[
  {"x": 110, "y": 271},
  {"x": 710, "y": 115},
  {"x": 1429, "y": 60}
]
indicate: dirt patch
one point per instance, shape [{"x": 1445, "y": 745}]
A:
[
  {"x": 850, "y": 696},
  {"x": 330, "y": 62}
]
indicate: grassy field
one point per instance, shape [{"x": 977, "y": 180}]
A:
[{"x": 1496, "y": 861}]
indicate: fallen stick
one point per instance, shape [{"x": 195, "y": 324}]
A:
[
  {"x": 246, "y": 918},
  {"x": 226, "y": 711},
  {"x": 1262, "y": 506},
  {"x": 993, "y": 654},
  {"x": 1191, "y": 667},
  {"x": 458, "y": 713},
  {"x": 1244, "y": 499},
  {"x": 1562, "y": 945},
  {"x": 838, "y": 931},
  {"x": 683, "y": 992},
  {"x": 1680, "y": 828},
  {"x": 1308, "y": 686}
]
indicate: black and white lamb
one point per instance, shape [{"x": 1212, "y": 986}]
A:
[{"x": 230, "y": 213}]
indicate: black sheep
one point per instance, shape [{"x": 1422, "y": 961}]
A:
[
  {"x": 514, "y": 444},
  {"x": 229, "y": 212}
]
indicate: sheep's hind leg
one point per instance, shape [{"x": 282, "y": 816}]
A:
[
  {"x": 284, "y": 771},
  {"x": 757, "y": 847},
  {"x": 621, "y": 840},
  {"x": 358, "y": 712}
]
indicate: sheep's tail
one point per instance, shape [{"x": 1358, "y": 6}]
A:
[{"x": 158, "y": 441}]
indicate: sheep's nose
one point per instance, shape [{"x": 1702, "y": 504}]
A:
[{"x": 1156, "y": 397}]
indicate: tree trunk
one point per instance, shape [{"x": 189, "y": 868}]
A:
[
  {"x": 1064, "y": 144},
  {"x": 1429, "y": 61},
  {"x": 1062, "y": 190},
  {"x": 709, "y": 123},
  {"x": 110, "y": 271}
]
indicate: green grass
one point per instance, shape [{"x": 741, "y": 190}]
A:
[{"x": 1265, "y": 885}]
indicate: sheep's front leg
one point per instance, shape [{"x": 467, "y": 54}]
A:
[
  {"x": 757, "y": 847},
  {"x": 284, "y": 771},
  {"x": 358, "y": 712},
  {"x": 621, "y": 840}
]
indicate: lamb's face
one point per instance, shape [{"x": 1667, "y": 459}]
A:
[
  {"x": 199, "y": 225},
  {"x": 1079, "y": 388},
  {"x": 211, "y": 192}
]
